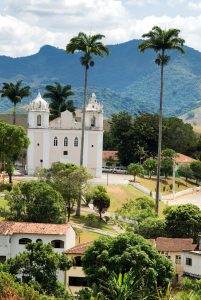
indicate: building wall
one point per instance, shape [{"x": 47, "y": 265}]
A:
[
  {"x": 195, "y": 269},
  {"x": 173, "y": 257}
]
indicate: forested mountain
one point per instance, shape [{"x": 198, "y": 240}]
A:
[{"x": 126, "y": 80}]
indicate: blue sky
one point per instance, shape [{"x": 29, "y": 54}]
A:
[{"x": 26, "y": 25}]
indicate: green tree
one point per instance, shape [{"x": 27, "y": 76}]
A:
[
  {"x": 183, "y": 221},
  {"x": 101, "y": 200},
  {"x": 13, "y": 143},
  {"x": 128, "y": 253},
  {"x": 36, "y": 202},
  {"x": 161, "y": 41},
  {"x": 185, "y": 171},
  {"x": 58, "y": 95},
  {"x": 135, "y": 170},
  {"x": 149, "y": 166},
  {"x": 39, "y": 265},
  {"x": 89, "y": 45},
  {"x": 166, "y": 166},
  {"x": 151, "y": 228},
  {"x": 196, "y": 168},
  {"x": 70, "y": 181},
  {"x": 15, "y": 93}
]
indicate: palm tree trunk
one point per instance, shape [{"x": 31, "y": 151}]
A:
[
  {"x": 82, "y": 138},
  {"x": 159, "y": 143},
  {"x": 14, "y": 113}
]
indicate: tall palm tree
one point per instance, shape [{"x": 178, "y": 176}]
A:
[
  {"x": 15, "y": 93},
  {"x": 58, "y": 95},
  {"x": 161, "y": 41},
  {"x": 89, "y": 45}
]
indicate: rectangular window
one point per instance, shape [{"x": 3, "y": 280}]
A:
[
  {"x": 2, "y": 259},
  {"x": 178, "y": 259},
  {"x": 77, "y": 281},
  {"x": 77, "y": 261},
  {"x": 188, "y": 261},
  {"x": 65, "y": 152}
]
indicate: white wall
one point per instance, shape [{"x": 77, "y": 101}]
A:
[{"x": 195, "y": 269}]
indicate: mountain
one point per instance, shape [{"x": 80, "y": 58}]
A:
[{"x": 126, "y": 80}]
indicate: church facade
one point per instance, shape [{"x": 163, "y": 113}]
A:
[{"x": 60, "y": 139}]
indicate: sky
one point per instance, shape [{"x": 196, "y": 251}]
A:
[{"x": 27, "y": 25}]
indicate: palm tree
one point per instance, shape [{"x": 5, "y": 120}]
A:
[
  {"x": 89, "y": 45},
  {"x": 58, "y": 95},
  {"x": 15, "y": 93},
  {"x": 161, "y": 41}
]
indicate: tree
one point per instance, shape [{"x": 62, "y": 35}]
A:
[
  {"x": 161, "y": 41},
  {"x": 36, "y": 202},
  {"x": 141, "y": 153},
  {"x": 89, "y": 45},
  {"x": 149, "y": 166},
  {"x": 183, "y": 221},
  {"x": 70, "y": 181},
  {"x": 13, "y": 143},
  {"x": 185, "y": 171},
  {"x": 15, "y": 93},
  {"x": 58, "y": 95},
  {"x": 101, "y": 200},
  {"x": 151, "y": 228},
  {"x": 196, "y": 168},
  {"x": 166, "y": 166},
  {"x": 127, "y": 253},
  {"x": 39, "y": 265},
  {"x": 135, "y": 170}
]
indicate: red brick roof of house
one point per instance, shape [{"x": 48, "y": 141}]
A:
[
  {"x": 10, "y": 228},
  {"x": 183, "y": 159},
  {"x": 79, "y": 249},
  {"x": 173, "y": 244},
  {"x": 112, "y": 154}
]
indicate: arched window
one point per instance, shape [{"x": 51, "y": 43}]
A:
[
  {"x": 93, "y": 121},
  {"x": 57, "y": 244},
  {"x": 76, "y": 142},
  {"x": 38, "y": 240},
  {"x": 55, "y": 141},
  {"x": 65, "y": 142},
  {"x": 24, "y": 241},
  {"x": 38, "y": 120}
]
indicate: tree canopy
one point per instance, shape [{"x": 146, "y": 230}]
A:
[{"x": 101, "y": 200}]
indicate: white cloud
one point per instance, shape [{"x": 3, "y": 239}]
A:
[{"x": 194, "y": 5}]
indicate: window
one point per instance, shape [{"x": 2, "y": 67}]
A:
[
  {"x": 39, "y": 120},
  {"x": 65, "y": 153},
  {"x": 55, "y": 141},
  {"x": 76, "y": 142},
  {"x": 78, "y": 261},
  {"x": 24, "y": 241},
  {"x": 57, "y": 244},
  {"x": 65, "y": 142},
  {"x": 178, "y": 259},
  {"x": 93, "y": 121},
  {"x": 77, "y": 281},
  {"x": 2, "y": 259},
  {"x": 188, "y": 261},
  {"x": 38, "y": 240}
]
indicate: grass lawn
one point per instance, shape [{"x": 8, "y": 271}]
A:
[
  {"x": 180, "y": 184},
  {"x": 83, "y": 236},
  {"x": 3, "y": 203}
]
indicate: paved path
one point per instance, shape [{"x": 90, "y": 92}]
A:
[
  {"x": 99, "y": 231},
  {"x": 193, "y": 198},
  {"x": 109, "y": 178}
]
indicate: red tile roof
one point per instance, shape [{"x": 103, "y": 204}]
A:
[
  {"x": 10, "y": 228},
  {"x": 173, "y": 244},
  {"x": 79, "y": 249},
  {"x": 183, "y": 159},
  {"x": 112, "y": 154}
]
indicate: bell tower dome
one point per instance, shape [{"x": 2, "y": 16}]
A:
[
  {"x": 94, "y": 113},
  {"x": 38, "y": 113}
]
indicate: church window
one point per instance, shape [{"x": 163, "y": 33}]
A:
[
  {"x": 55, "y": 141},
  {"x": 65, "y": 142},
  {"x": 76, "y": 142},
  {"x": 24, "y": 241},
  {"x": 93, "y": 121},
  {"x": 65, "y": 153},
  {"x": 38, "y": 120}
]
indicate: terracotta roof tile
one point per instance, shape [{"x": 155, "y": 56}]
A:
[
  {"x": 174, "y": 244},
  {"x": 79, "y": 249},
  {"x": 183, "y": 159},
  {"x": 10, "y": 228},
  {"x": 108, "y": 154}
]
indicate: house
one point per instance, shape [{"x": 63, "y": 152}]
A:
[
  {"x": 15, "y": 235},
  {"x": 75, "y": 276},
  {"x": 60, "y": 139},
  {"x": 191, "y": 261},
  {"x": 173, "y": 249},
  {"x": 181, "y": 159},
  {"x": 110, "y": 159}
]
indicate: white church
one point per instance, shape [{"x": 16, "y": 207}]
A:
[{"x": 60, "y": 139}]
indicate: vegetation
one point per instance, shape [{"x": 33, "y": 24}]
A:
[
  {"x": 135, "y": 170},
  {"x": 161, "y": 41},
  {"x": 149, "y": 166},
  {"x": 15, "y": 93},
  {"x": 35, "y": 202},
  {"x": 58, "y": 96},
  {"x": 101, "y": 200}
]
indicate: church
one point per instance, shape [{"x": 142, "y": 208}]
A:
[{"x": 60, "y": 139}]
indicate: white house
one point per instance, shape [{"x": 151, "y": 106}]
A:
[
  {"x": 15, "y": 235},
  {"x": 60, "y": 139}
]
